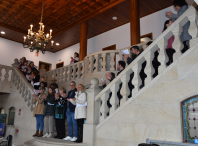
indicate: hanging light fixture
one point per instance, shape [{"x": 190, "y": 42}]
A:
[{"x": 38, "y": 40}]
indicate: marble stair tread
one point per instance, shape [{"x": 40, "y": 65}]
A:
[{"x": 39, "y": 141}]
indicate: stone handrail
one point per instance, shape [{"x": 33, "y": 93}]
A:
[
  {"x": 99, "y": 62},
  {"x": 135, "y": 67},
  {"x": 25, "y": 88}
]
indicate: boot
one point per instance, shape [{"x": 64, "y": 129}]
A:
[
  {"x": 37, "y": 132},
  {"x": 80, "y": 137},
  {"x": 41, "y": 134}
]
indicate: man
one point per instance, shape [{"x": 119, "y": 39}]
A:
[
  {"x": 55, "y": 86},
  {"x": 70, "y": 114},
  {"x": 135, "y": 50}
]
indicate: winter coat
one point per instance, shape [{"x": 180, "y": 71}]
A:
[
  {"x": 185, "y": 36},
  {"x": 81, "y": 105},
  {"x": 39, "y": 105},
  {"x": 49, "y": 106}
]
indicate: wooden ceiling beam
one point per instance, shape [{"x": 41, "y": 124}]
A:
[
  {"x": 90, "y": 16},
  {"x": 13, "y": 28}
]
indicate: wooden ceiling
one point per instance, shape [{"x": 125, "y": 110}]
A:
[{"x": 65, "y": 16}]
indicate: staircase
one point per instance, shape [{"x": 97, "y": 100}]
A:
[{"x": 152, "y": 112}]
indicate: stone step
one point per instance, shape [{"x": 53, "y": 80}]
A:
[{"x": 39, "y": 141}]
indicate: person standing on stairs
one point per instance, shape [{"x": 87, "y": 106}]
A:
[
  {"x": 70, "y": 114},
  {"x": 135, "y": 50},
  {"x": 169, "y": 49},
  {"x": 39, "y": 110},
  {"x": 49, "y": 113},
  {"x": 60, "y": 105},
  {"x": 80, "y": 101},
  {"x": 181, "y": 6}
]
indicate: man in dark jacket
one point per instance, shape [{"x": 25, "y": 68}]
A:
[{"x": 70, "y": 114}]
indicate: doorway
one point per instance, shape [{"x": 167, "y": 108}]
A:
[
  {"x": 48, "y": 66},
  {"x": 59, "y": 65}
]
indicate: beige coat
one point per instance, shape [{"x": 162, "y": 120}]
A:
[
  {"x": 39, "y": 108},
  {"x": 80, "y": 111}
]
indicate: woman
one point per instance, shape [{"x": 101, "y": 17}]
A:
[
  {"x": 181, "y": 6},
  {"x": 44, "y": 81},
  {"x": 80, "y": 101},
  {"x": 49, "y": 113},
  {"x": 35, "y": 80},
  {"x": 21, "y": 63},
  {"x": 75, "y": 59},
  {"x": 39, "y": 110},
  {"x": 60, "y": 113},
  {"x": 169, "y": 49},
  {"x": 42, "y": 84}
]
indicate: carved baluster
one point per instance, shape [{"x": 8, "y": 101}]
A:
[
  {"x": 149, "y": 70},
  {"x": 162, "y": 54},
  {"x": 6, "y": 76},
  {"x": 104, "y": 108},
  {"x": 69, "y": 74},
  {"x": 1, "y": 73},
  {"x": 91, "y": 65},
  {"x": 28, "y": 98},
  {"x": 13, "y": 76},
  {"x": 112, "y": 63},
  {"x": 136, "y": 81},
  {"x": 18, "y": 83},
  {"x": 83, "y": 69},
  {"x": 121, "y": 56},
  {"x": 114, "y": 101},
  {"x": 104, "y": 63},
  {"x": 57, "y": 75},
  {"x": 177, "y": 44},
  {"x": 31, "y": 102},
  {"x": 193, "y": 30},
  {"x": 60, "y": 75},
  {"x": 79, "y": 70},
  {"x": 125, "y": 92},
  {"x": 74, "y": 72},
  {"x": 96, "y": 65},
  {"x": 65, "y": 74}
]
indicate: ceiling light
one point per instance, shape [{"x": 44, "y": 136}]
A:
[
  {"x": 57, "y": 44},
  {"x": 2, "y": 32},
  {"x": 114, "y": 18}
]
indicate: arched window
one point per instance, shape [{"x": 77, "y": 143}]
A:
[
  {"x": 11, "y": 116},
  {"x": 2, "y": 110},
  {"x": 190, "y": 119}
]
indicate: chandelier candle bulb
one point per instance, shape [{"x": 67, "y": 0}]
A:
[
  {"x": 52, "y": 42},
  {"x": 24, "y": 39},
  {"x": 43, "y": 27},
  {"x": 28, "y": 31},
  {"x": 31, "y": 27},
  {"x": 50, "y": 32}
]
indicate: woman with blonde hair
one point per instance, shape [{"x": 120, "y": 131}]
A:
[{"x": 80, "y": 101}]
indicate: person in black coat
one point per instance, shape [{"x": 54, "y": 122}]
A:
[
  {"x": 60, "y": 105},
  {"x": 135, "y": 50},
  {"x": 35, "y": 80},
  {"x": 70, "y": 114}
]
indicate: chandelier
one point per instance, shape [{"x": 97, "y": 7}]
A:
[{"x": 38, "y": 40}]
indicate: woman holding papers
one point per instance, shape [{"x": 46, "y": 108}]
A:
[
  {"x": 39, "y": 110},
  {"x": 80, "y": 101},
  {"x": 49, "y": 113}
]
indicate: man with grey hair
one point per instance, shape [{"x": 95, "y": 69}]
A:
[{"x": 70, "y": 114}]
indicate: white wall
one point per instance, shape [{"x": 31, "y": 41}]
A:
[
  {"x": 120, "y": 36},
  {"x": 11, "y": 50}
]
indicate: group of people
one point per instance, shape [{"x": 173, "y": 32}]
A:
[
  {"x": 53, "y": 104},
  {"x": 61, "y": 106},
  {"x": 181, "y": 6}
]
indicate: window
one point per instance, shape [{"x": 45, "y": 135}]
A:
[{"x": 11, "y": 116}]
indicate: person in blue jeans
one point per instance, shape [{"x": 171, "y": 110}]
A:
[{"x": 70, "y": 114}]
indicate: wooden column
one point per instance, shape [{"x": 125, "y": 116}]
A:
[
  {"x": 83, "y": 41},
  {"x": 135, "y": 22}
]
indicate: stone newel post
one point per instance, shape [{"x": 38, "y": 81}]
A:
[
  {"x": 93, "y": 114},
  {"x": 15, "y": 64}
]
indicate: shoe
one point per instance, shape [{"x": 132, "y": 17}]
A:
[
  {"x": 67, "y": 138},
  {"x": 49, "y": 135},
  {"x": 74, "y": 139},
  {"x": 80, "y": 136},
  {"x": 56, "y": 136},
  {"x": 40, "y": 134},
  {"x": 46, "y": 135},
  {"x": 79, "y": 140},
  {"x": 37, "y": 132}
]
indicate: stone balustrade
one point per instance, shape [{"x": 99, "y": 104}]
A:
[
  {"x": 5, "y": 76},
  {"x": 148, "y": 54}
]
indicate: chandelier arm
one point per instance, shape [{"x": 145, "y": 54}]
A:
[{"x": 42, "y": 11}]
